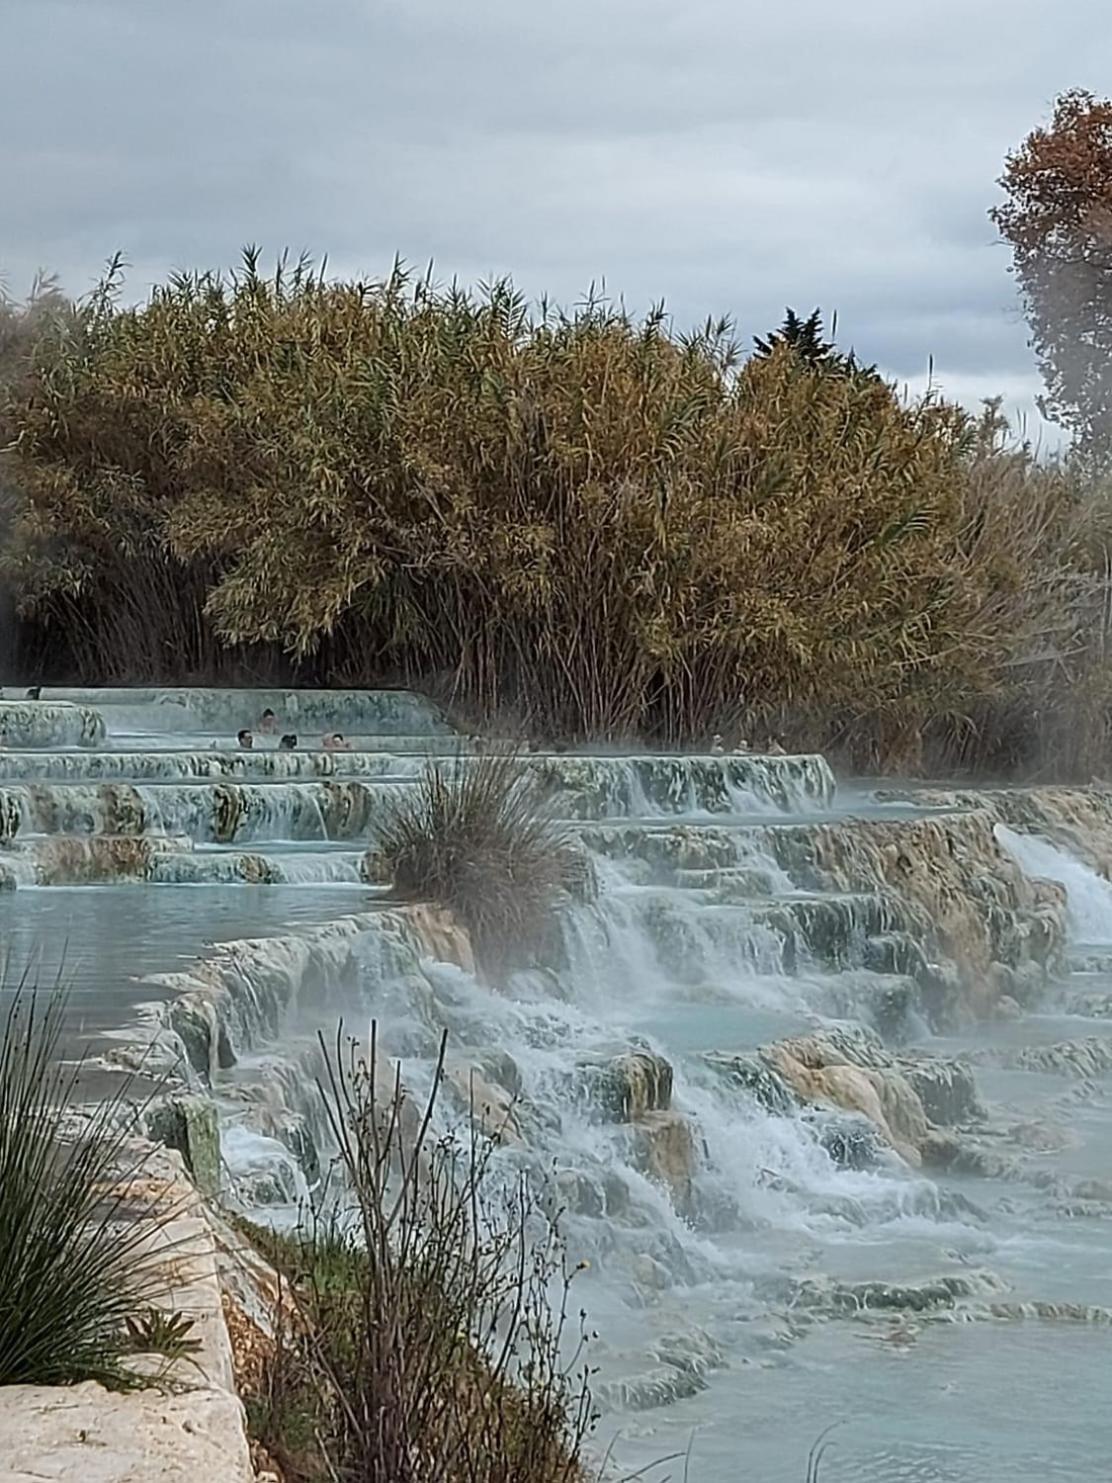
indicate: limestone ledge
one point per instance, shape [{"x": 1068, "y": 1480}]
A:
[
  {"x": 912, "y": 1101},
  {"x": 221, "y": 812},
  {"x": 1078, "y": 820},
  {"x": 240, "y": 996},
  {"x": 80, "y": 860},
  {"x": 189, "y": 1423},
  {"x": 935, "y": 897},
  {"x": 593, "y": 788},
  {"x": 39, "y": 723},
  {"x": 967, "y": 900},
  {"x": 189, "y": 708}
]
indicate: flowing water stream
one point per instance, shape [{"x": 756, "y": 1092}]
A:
[{"x": 765, "y": 1260}]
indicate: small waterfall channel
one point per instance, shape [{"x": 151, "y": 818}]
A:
[{"x": 821, "y": 1086}]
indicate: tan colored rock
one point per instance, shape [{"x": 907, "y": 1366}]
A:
[
  {"x": 648, "y": 1273},
  {"x": 664, "y": 1150},
  {"x": 441, "y": 934},
  {"x": 490, "y": 1106},
  {"x": 625, "y": 1087},
  {"x": 883, "y": 1096},
  {"x": 855, "y": 1074},
  {"x": 67, "y": 859}
]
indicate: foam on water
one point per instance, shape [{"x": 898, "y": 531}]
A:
[{"x": 1089, "y": 895}]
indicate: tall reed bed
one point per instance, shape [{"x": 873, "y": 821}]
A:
[{"x": 602, "y": 526}]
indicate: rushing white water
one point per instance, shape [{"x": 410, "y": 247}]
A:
[
  {"x": 711, "y": 1206},
  {"x": 262, "y": 1170},
  {"x": 678, "y": 1249},
  {"x": 1089, "y": 895}
]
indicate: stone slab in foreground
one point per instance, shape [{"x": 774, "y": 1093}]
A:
[
  {"x": 85, "y": 1434},
  {"x": 188, "y": 1428}
]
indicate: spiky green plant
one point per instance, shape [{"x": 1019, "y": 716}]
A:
[
  {"x": 158, "y": 1331},
  {"x": 75, "y": 1262}
]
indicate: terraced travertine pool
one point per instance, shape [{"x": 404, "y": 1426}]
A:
[{"x": 763, "y": 1264}]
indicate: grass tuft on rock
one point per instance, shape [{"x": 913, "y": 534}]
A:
[
  {"x": 75, "y": 1263},
  {"x": 478, "y": 836}
]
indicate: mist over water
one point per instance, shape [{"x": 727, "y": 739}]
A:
[{"x": 717, "y": 1215}]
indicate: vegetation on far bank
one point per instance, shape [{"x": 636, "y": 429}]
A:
[
  {"x": 586, "y": 521},
  {"x": 1056, "y": 217}
]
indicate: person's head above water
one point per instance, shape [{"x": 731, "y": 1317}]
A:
[
  {"x": 287, "y": 742},
  {"x": 245, "y": 738},
  {"x": 268, "y": 721}
]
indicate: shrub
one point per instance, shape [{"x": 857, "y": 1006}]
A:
[
  {"x": 1034, "y": 547},
  {"x": 74, "y": 1268},
  {"x": 604, "y": 526},
  {"x": 477, "y": 835},
  {"x": 424, "y": 1346}
]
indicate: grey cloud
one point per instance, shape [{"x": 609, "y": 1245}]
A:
[{"x": 728, "y": 157}]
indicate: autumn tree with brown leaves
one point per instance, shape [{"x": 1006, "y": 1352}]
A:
[{"x": 1057, "y": 219}]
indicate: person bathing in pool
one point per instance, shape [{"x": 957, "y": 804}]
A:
[
  {"x": 268, "y": 723},
  {"x": 336, "y": 743}
]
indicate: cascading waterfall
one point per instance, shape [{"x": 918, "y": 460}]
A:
[
  {"x": 749, "y": 1070},
  {"x": 1089, "y": 894}
]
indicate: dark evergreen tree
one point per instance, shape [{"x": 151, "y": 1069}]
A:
[{"x": 805, "y": 338}]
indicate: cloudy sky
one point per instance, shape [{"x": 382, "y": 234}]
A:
[{"x": 725, "y": 155}]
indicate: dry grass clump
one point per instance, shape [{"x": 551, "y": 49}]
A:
[
  {"x": 426, "y": 1347},
  {"x": 477, "y": 835}
]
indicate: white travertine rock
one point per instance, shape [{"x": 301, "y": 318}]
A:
[
  {"x": 189, "y": 1426},
  {"x": 86, "y": 1434}
]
